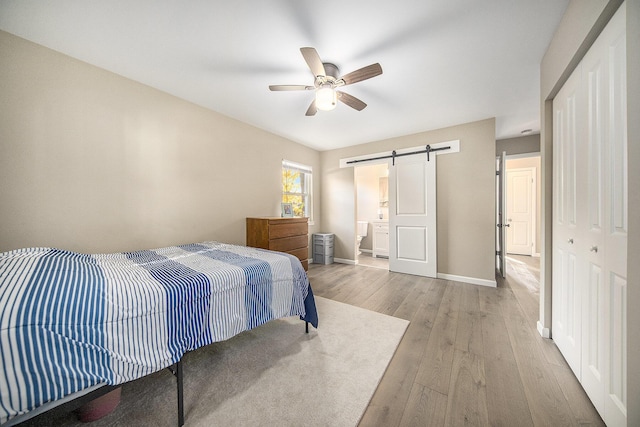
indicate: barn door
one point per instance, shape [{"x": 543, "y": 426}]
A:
[{"x": 412, "y": 215}]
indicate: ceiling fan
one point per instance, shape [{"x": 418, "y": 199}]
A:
[{"x": 327, "y": 81}]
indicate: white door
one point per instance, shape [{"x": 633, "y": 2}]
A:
[
  {"x": 605, "y": 231},
  {"x": 412, "y": 215},
  {"x": 567, "y": 305},
  {"x": 590, "y": 211},
  {"x": 520, "y": 210},
  {"x": 501, "y": 209}
]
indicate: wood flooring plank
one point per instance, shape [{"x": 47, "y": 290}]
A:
[
  {"x": 490, "y": 299},
  {"x": 547, "y": 404},
  {"x": 414, "y": 298},
  {"x": 387, "y": 299},
  {"x": 467, "y": 398},
  {"x": 364, "y": 280},
  {"x": 583, "y": 410},
  {"x": 435, "y": 368},
  {"x": 388, "y": 403},
  {"x": 495, "y": 339},
  {"x": 528, "y": 299},
  {"x": 469, "y": 331},
  {"x": 425, "y": 408},
  {"x": 506, "y": 400}
]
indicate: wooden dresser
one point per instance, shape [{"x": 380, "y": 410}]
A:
[{"x": 290, "y": 235}]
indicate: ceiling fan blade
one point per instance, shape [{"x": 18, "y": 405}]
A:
[
  {"x": 351, "y": 101},
  {"x": 362, "y": 74},
  {"x": 312, "y": 110},
  {"x": 290, "y": 87},
  {"x": 313, "y": 61}
]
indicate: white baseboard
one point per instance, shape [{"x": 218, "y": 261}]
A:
[
  {"x": 536, "y": 255},
  {"x": 472, "y": 280},
  {"x": 367, "y": 251},
  {"x": 544, "y": 332},
  {"x": 453, "y": 277},
  {"x": 345, "y": 261}
]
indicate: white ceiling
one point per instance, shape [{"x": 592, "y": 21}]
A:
[{"x": 444, "y": 62}]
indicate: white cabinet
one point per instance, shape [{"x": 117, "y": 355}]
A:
[
  {"x": 380, "y": 238},
  {"x": 590, "y": 222}
]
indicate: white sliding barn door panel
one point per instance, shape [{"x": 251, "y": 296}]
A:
[
  {"x": 412, "y": 215},
  {"x": 594, "y": 270},
  {"x": 566, "y": 309}
]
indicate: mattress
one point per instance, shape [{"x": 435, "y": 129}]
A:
[{"x": 70, "y": 321}]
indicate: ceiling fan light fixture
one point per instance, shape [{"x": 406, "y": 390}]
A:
[{"x": 326, "y": 98}]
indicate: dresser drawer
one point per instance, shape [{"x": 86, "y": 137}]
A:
[
  {"x": 289, "y": 243},
  {"x": 302, "y": 253},
  {"x": 278, "y": 231}
]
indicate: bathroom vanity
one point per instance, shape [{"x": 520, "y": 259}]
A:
[{"x": 380, "y": 238}]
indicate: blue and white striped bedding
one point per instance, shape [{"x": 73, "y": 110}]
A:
[{"x": 69, "y": 321}]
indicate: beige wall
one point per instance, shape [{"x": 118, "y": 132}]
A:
[
  {"x": 93, "y": 162},
  {"x": 520, "y": 145},
  {"x": 466, "y": 197},
  {"x": 581, "y": 24}
]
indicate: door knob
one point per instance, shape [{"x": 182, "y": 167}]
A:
[
  {"x": 507, "y": 225},
  {"x": 594, "y": 249}
]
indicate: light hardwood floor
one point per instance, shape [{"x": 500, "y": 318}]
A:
[{"x": 471, "y": 354}]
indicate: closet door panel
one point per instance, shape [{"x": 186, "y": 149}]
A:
[
  {"x": 615, "y": 218},
  {"x": 567, "y": 311},
  {"x": 594, "y": 352}
]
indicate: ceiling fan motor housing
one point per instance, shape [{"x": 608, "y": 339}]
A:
[{"x": 331, "y": 70}]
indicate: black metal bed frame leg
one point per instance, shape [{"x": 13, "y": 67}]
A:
[
  {"x": 306, "y": 327},
  {"x": 176, "y": 370},
  {"x": 180, "y": 393}
]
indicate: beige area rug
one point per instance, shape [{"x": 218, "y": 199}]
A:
[{"x": 274, "y": 375}]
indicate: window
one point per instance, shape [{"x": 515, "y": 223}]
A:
[{"x": 296, "y": 188}]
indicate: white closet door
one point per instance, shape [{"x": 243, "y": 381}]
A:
[
  {"x": 614, "y": 341},
  {"x": 590, "y": 222},
  {"x": 594, "y": 354},
  {"x": 567, "y": 306}
]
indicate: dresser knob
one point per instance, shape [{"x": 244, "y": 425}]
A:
[{"x": 594, "y": 249}]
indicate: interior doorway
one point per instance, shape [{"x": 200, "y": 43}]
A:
[
  {"x": 372, "y": 208},
  {"x": 517, "y": 207},
  {"x": 522, "y": 195}
]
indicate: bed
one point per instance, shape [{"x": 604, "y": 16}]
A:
[{"x": 71, "y": 322}]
